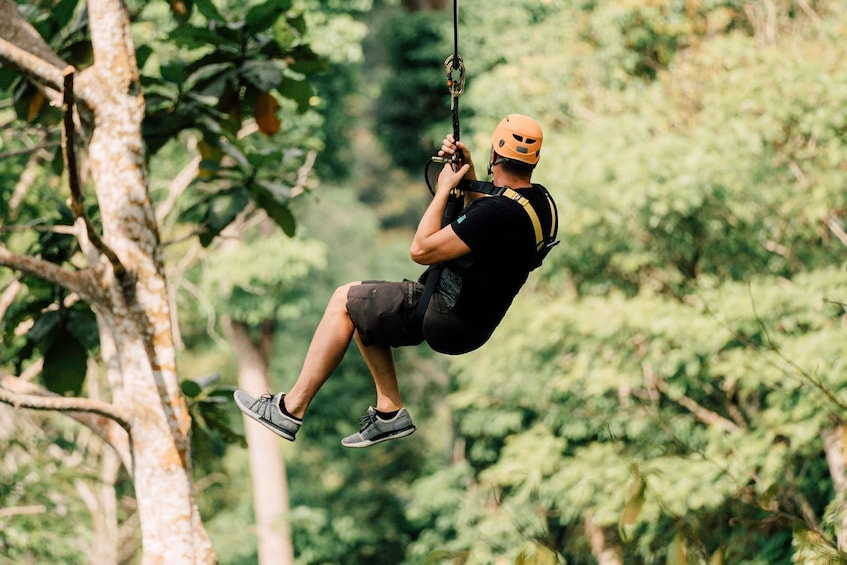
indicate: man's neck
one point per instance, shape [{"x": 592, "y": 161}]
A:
[{"x": 503, "y": 178}]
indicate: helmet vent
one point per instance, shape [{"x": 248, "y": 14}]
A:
[{"x": 521, "y": 139}]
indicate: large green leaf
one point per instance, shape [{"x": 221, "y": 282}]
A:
[
  {"x": 273, "y": 198},
  {"x": 261, "y": 17},
  {"x": 65, "y": 363},
  {"x": 221, "y": 210},
  {"x": 208, "y": 9},
  {"x": 298, "y": 90},
  {"x": 264, "y": 75}
]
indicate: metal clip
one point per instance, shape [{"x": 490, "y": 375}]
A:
[{"x": 456, "y": 87}]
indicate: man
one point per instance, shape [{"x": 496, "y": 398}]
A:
[{"x": 485, "y": 255}]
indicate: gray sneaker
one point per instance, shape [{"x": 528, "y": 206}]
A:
[
  {"x": 373, "y": 429},
  {"x": 265, "y": 410}
]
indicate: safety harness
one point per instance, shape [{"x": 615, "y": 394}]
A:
[{"x": 544, "y": 242}]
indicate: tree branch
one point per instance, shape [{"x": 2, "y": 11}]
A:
[
  {"x": 700, "y": 412},
  {"x": 22, "y": 510},
  {"x": 836, "y": 229},
  {"x": 26, "y": 151},
  {"x": 16, "y": 30},
  {"x": 79, "y": 282},
  {"x": 23, "y": 49},
  {"x": 50, "y": 401},
  {"x": 105, "y": 419},
  {"x": 27, "y": 179},
  {"x": 178, "y": 186},
  {"x": 8, "y": 294}
]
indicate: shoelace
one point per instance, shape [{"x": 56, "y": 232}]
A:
[
  {"x": 263, "y": 404},
  {"x": 366, "y": 421}
]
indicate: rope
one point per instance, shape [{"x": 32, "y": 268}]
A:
[
  {"x": 454, "y": 66},
  {"x": 456, "y": 86}
]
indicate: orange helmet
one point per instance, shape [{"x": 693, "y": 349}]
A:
[{"x": 518, "y": 137}]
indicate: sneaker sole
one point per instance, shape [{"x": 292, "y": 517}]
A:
[
  {"x": 285, "y": 434},
  {"x": 369, "y": 442}
]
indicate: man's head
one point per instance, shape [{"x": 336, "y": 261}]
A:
[{"x": 516, "y": 144}]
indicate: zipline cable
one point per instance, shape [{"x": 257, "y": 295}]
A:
[
  {"x": 456, "y": 85},
  {"x": 454, "y": 66},
  {"x": 451, "y": 65}
]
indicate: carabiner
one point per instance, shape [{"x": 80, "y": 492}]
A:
[{"x": 456, "y": 87}]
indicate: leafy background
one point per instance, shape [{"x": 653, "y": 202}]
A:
[{"x": 664, "y": 379}]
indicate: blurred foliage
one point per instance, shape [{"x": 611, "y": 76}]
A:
[
  {"x": 669, "y": 378},
  {"x": 664, "y": 380},
  {"x": 47, "y": 464},
  {"x": 413, "y": 93}
]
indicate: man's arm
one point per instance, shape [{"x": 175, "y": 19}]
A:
[{"x": 433, "y": 244}]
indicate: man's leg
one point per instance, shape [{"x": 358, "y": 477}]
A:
[
  {"x": 283, "y": 413},
  {"x": 329, "y": 343},
  {"x": 380, "y": 362}
]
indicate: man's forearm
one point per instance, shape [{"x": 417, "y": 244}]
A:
[{"x": 431, "y": 220}]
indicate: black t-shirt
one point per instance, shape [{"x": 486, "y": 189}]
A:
[{"x": 503, "y": 252}]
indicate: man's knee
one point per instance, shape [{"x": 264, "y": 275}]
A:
[{"x": 339, "y": 297}]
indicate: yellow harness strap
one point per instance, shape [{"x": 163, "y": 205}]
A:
[{"x": 533, "y": 216}]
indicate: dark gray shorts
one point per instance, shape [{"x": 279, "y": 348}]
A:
[{"x": 382, "y": 313}]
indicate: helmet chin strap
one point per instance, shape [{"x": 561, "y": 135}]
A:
[{"x": 495, "y": 159}]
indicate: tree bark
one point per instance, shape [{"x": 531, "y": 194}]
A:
[
  {"x": 267, "y": 466},
  {"x": 835, "y": 449},
  {"x": 127, "y": 284},
  {"x": 139, "y": 315},
  {"x": 604, "y": 552}
]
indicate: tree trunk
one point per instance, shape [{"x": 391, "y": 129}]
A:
[
  {"x": 604, "y": 552},
  {"x": 835, "y": 449},
  {"x": 137, "y": 308},
  {"x": 126, "y": 284},
  {"x": 267, "y": 466}
]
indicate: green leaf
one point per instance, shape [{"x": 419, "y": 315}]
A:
[
  {"x": 142, "y": 53},
  {"x": 190, "y": 388},
  {"x": 82, "y": 324},
  {"x": 237, "y": 155},
  {"x": 207, "y": 8},
  {"x": 43, "y": 326},
  {"x": 263, "y": 16},
  {"x": 222, "y": 210},
  {"x": 195, "y": 37},
  {"x": 264, "y": 75},
  {"x": 65, "y": 363},
  {"x": 298, "y": 90},
  {"x": 211, "y": 79},
  {"x": 273, "y": 198},
  {"x": 173, "y": 71},
  {"x": 676, "y": 551}
]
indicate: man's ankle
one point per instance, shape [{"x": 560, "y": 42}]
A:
[{"x": 285, "y": 411}]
